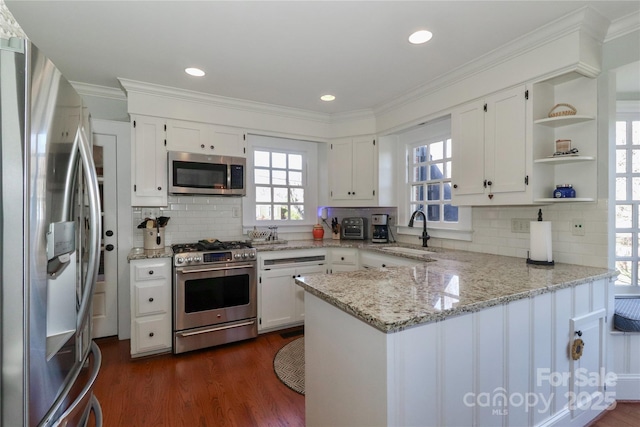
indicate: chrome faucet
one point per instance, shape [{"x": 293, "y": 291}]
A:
[{"x": 425, "y": 235}]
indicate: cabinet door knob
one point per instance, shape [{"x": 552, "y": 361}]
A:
[
  {"x": 109, "y": 247},
  {"x": 212, "y": 146},
  {"x": 151, "y": 299},
  {"x": 150, "y": 271},
  {"x": 384, "y": 265},
  {"x": 151, "y": 334},
  {"x": 109, "y": 233},
  {"x": 201, "y": 145},
  {"x": 341, "y": 258},
  {"x": 455, "y": 185},
  {"x": 159, "y": 188},
  {"x": 293, "y": 277}
]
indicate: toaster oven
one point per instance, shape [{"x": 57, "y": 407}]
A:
[{"x": 354, "y": 228}]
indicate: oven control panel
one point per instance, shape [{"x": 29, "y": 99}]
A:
[{"x": 202, "y": 258}]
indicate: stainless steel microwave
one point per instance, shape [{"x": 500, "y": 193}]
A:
[{"x": 205, "y": 174}]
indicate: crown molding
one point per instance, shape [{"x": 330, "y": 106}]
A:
[
  {"x": 87, "y": 89},
  {"x": 585, "y": 19},
  {"x": 623, "y": 26},
  {"x": 352, "y": 115},
  {"x": 221, "y": 101}
]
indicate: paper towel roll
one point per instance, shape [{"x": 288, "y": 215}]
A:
[{"x": 540, "y": 235}]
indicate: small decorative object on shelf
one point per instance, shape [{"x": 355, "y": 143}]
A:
[
  {"x": 564, "y": 191},
  {"x": 571, "y": 152},
  {"x": 318, "y": 232},
  {"x": 571, "y": 111},
  {"x": 563, "y": 145}
]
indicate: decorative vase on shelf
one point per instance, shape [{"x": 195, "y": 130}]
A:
[{"x": 318, "y": 232}]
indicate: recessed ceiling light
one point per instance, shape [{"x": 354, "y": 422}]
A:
[
  {"x": 327, "y": 97},
  {"x": 420, "y": 37},
  {"x": 196, "y": 72}
]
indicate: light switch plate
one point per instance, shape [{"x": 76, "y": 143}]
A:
[{"x": 520, "y": 225}]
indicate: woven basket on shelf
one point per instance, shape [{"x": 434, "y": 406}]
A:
[{"x": 570, "y": 112}]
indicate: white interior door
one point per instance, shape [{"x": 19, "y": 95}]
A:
[{"x": 105, "y": 299}]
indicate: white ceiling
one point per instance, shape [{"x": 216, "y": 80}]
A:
[{"x": 284, "y": 53}]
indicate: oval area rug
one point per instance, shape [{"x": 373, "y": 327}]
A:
[{"x": 289, "y": 365}]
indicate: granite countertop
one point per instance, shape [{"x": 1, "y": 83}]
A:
[
  {"x": 392, "y": 299},
  {"x": 141, "y": 253}
]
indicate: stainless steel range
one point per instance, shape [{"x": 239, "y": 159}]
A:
[{"x": 214, "y": 294}]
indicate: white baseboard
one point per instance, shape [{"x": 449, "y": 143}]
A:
[{"x": 628, "y": 387}]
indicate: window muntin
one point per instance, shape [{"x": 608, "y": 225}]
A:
[
  {"x": 430, "y": 180},
  {"x": 627, "y": 193},
  {"x": 279, "y": 185}
]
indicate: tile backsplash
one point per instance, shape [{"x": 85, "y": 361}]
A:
[{"x": 194, "y": 218}]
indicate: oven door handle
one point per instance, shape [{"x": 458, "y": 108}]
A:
[
  {"x": 221, "y": 328},
  {"x": 204, "y": 270}
]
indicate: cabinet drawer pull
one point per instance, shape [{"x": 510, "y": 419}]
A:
[
  {"x": 201, "y": 145},
  {"x": 212, "y": 146},
  {"x": 150, "y": 271},
  {"x": 341, "y": 258},
  {"x": 151, "y": 299},
  {"x": 151, "y": 334}
]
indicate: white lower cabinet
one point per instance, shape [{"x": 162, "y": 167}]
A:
[
  {"x": 344, "y": 259},
  {"x": 280, "y": 300},
  {"x": 150, "y": 306},
  {"x": 370, "y": 259}
]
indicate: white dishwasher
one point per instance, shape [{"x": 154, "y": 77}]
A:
[{"x": 280, "y": 300}]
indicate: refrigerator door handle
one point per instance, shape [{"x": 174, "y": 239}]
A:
[
  {"x": 85, "y": 396},
  {"x": 93, "y": 193}
]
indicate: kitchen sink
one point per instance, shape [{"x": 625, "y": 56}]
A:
[{"x": 407, "y": 251}]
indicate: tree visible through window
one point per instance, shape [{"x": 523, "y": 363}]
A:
[
  {"x": 430, "y": 180},
  {"x": 279, "y": 186},
  {"x": 627, "y": 221}
]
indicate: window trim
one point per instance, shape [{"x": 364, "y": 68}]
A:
[
  {"x": 309, "y": 151},
  {"x": 433, "y": 131}
]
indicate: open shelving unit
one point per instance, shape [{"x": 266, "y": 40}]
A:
[{"x": 581, "y": 169}]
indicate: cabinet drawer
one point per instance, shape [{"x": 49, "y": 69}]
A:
[
  {"x": 151, "y": 334},
  {"x": 152, "y": 298},
  {"x": 344, "y": 256},
  {"x": 150, "y": 271}
]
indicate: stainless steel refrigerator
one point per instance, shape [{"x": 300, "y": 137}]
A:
[{"x": 50, "y": 230}]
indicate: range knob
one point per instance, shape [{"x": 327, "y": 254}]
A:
[
  {"x": 237, "y": 255},
  {"x": 179, "y": 260},
  {"x": 252, "y": 254},
  {"x": 190, "y": 259},
  {"x": 197, "y": 259},
  {"x": 245, "y": 255}
]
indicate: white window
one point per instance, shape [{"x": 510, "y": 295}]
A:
[
  {"x": 627, "y": 201},
  {"x": 430, "y": 180},
  {"x": 282, "y": 182},
  {"x": 428, "y": 164}
]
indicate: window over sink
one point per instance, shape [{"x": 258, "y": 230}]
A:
[{"x": 282, "y": 182}]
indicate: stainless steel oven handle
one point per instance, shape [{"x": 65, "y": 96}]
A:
[
  {"x": 221, "y": 328},
  {"x": 204, "y": 270}
]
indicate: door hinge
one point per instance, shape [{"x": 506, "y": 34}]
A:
[
  {"x": 134, "y": 123},
  {"x": 374, "y": 142},
  {"x": 260, "y": 279},
  {"x": 135, "y": 188},
  {"x": 165, "y": 142},
  {"x": 244, "y": 150},
  {"x": 331, "y": 147},
  {"x": 260, "y": 321},
  {"x": 374, "y": 192},
  {"x": 331, "y": 192},
  {"x": 526, "y": 180},
  {"x": 165, "y": 128},
  {"x": 485, "y": 108},
  {"x": 526, "y": 94},
  {"x": 244, "y": 136}
]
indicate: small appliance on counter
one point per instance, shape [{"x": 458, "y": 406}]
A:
[
  {"x": 354, "y": 228},
  {"x": 380, "y": 223}
]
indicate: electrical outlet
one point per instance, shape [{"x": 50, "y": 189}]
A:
[
  {"x": 235, "y": 212},
  {"x": 577, "y": 227},
  {"x": 519, "y": 225}
]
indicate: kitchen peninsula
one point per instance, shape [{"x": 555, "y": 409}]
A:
[{"x": 470, "y": 339}]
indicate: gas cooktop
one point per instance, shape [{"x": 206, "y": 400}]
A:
[
  {"x": 209, "y": 245},
  {"x": 212, "y": 252}
]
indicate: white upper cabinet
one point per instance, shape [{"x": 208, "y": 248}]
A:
[
  {"x": 353, "y": 171},
  {"x": 203, "y": 138},
  {"x": 578, "y": 169},
  {"x": 490, "y": 150},
  {"x": 148, "y": 161}
]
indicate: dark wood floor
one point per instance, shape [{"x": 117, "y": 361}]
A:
[
  {"x": 624, "y": 414},
  {"x": 231, "y": 385}
]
